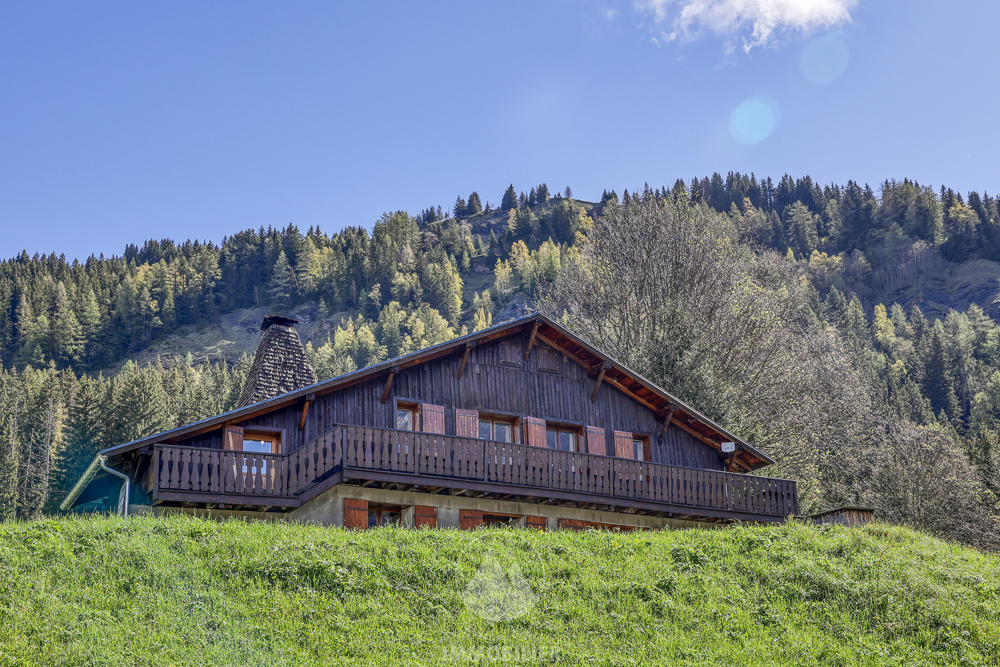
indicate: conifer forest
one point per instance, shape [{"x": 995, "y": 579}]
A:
[{"x": 849, "y": 331}]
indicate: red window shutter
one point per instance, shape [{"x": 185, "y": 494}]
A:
[
  {"x": 467, "y": 423},
  {"x": 623, "y": 445},
  {"x": 425, "y": 516},
  {"x": 355, "y": 513},
  {"x": 536, "y": 431},
  {"x": 596, "y": 442},
  {"x": 572, "y": 524},
  {"x": 470, "y": 519},
  {"x": 536, "y": 522},
  {"x": 432, "y": 418},
  {"x": 647, "y": 450},
  {"x": 232, "y": 438}
]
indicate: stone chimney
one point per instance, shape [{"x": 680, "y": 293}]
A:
[{"x": 280, "y": 365}]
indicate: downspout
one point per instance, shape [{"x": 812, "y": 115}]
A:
[{"x": 124, "y": 508}]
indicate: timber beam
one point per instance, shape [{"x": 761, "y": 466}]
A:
[
  {"x": 667, "y": 419},
  {"x": 305, "y": 410},
  {"x": 531, "y": 339},
  {"x": 605, "y": 367},
  {"x": 393, "y": 372},
  {"x": 465, "y": 358}
]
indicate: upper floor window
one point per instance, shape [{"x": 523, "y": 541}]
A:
[
  {"x": 407, "y": 416},
  {"x": 258, "y": 444},
  {"x": 638, "y": 449},
  {"x": 497, "y": 430},
  {"x": 563, "y": 439},
  {"x": 404, "y": 419}
]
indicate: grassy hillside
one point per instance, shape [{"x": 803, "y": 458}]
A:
[{"x": 181, "y": 591}]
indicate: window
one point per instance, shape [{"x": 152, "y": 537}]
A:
[
  {"x": 563, "y": 439},
  {"x": 258, "y": 444},
  {"x": 500, "y": 520},
  {"x": 548, "y": 359},
  {"x": 404, "y": 419},
  {"x": 638, "y": 446},
  {"x": 497, "y": 430},
  {"x": 383, "y": 516},
  {"x": 510, "y": 352}
]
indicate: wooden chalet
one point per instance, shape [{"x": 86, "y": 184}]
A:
[{"x": 523, "y": 423}]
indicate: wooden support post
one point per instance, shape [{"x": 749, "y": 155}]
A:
[
  {"x": 305, "y": 410},
  {"x": 531, "y": 340},
  {"x": 600, "y": 378},
  {"x": 668, "y": 418},
  {"x": 465, "y": 358},
  {"x": 388, "y": 383}
]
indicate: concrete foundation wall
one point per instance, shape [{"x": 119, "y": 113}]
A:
[{"x": 327, "y": 509}]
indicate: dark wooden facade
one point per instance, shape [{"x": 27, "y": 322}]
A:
[{"x": 490, "y": 385}]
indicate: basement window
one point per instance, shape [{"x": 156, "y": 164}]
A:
[
  {"x": 384, "y": 516},
  {"x": 500, "y": 520}
]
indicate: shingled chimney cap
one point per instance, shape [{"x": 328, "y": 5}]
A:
[{"x": 280, "y": 320}]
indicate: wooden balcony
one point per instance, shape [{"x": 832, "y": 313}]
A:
[{"x": 443, "y": 463}]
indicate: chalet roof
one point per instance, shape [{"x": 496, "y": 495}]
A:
[
  {"x": 747, "y": 457},
  {"x": 280, "y": 364}
]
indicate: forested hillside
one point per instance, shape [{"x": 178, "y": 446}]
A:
[{"x": 812, "y": 320}]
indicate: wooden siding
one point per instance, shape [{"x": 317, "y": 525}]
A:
[{"x": 490, "y": 384}]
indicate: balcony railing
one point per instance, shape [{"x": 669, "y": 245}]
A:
[{"x": 428, "y": 456}]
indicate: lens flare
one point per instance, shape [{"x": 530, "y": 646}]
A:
[
  {"x": 824, "y": 58},
  {"x": 754, "y": 120}
]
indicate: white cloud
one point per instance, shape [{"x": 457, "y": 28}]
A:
[{"x": 732, "y": 18}]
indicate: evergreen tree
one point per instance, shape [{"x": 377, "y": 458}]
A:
[
  {"x": 474, "y": 207},
  {"x": 509, "y": 200},
  {"x": 283, "y": 284}
]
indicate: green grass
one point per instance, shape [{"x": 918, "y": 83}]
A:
[{"x": 181, "y": 591}]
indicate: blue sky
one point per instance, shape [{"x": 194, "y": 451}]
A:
[{"x": 126, "y": 121}]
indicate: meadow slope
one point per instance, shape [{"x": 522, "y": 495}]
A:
[{"x": 182, "y": 591}]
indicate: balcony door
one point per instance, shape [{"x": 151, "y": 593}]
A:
[{"x": 257, "y": 444}]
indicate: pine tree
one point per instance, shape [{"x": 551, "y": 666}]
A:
[
  {"x": 67, "y": 334},
  {"x": 460, "y": 208},
  {"x": 475, "y": 206},
  {"x": 509, "y": 200},
  {"x": 283, "y": 283}
]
